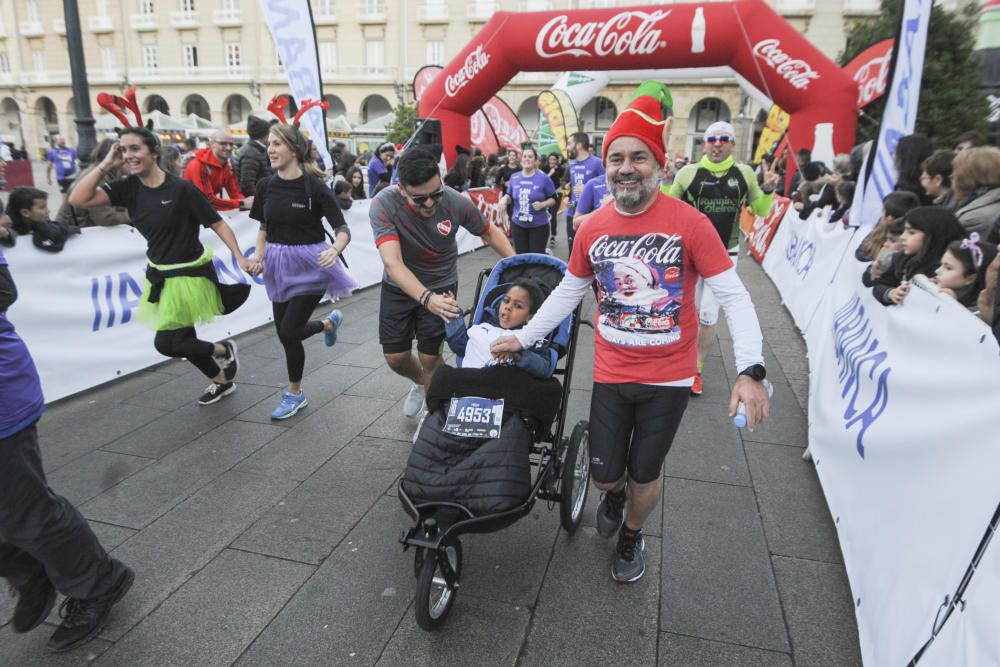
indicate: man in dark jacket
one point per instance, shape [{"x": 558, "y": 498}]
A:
[{"x": 252, "y": 163}]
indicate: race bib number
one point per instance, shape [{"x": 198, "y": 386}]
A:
[{"x": 474, "y": 417}]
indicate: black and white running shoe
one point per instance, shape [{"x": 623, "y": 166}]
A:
[{"x": 215, "y": 392}]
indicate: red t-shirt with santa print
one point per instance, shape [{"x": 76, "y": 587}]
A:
[{"x": 646, "y": 267}]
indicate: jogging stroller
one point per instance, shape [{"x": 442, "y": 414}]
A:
[{"x": 455, "y": 484}]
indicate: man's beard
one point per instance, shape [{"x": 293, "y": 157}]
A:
[{"x": 628, "y": 200}]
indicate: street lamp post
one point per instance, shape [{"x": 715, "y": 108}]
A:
[{"x": 87, "y": 137}]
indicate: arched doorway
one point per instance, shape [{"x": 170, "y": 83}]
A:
[
  {"x": 374, "y": 106},
  {"x": 706, "y": 112},
  {"x": 597, "y": 115},
  {"x": 48, "y": 120},
  {"x": 197, "y": 105},
  {"x": 528, "y": 114},
  {"x": 237, "y": 108},
  {"x": 11, "y": 128},
  {"x": 156, "y": 103},
  {"x": 337, "y": 106}
]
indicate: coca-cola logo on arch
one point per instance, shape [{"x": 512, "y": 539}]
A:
[
  {"x": 796, "y": 71},
  {"x": 509, "y": 132},
  {"x": 633, "y": 33},
  {"x": 475, "y": 63}
]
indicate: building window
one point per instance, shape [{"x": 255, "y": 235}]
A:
[
  {"x": 33, "y": 14},
  {"x": 328, "y": 56},
  {"x": 190, "y": 56},
  {"x": 4, "y": 64},
  {"x": 233, "y": 56},
  {"x": 231, "y": 5},
  {"x": 102, "y": 8},
  {"x": 39, "y": 60},
  {"x": 150, "y": 57},
  {"x": 375, "y": 55},
  {"x": 435, "y": 53},
  {"x": 326, "y": 7},
  {"x": 374, "y": 7},
  {"x": 146, "y": 7},
  {"x": 107, "y": 58},
  {"x": 187, "y": 6}
]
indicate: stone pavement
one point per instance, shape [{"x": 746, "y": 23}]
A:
[{"x": 264, "y": 543}]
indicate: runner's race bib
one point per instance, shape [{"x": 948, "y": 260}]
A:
[{"x": 474, "y": 417}]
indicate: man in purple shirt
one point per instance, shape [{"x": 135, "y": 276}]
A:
[
  {"x": 64, "y": 159},
  {"x": 581, "y": 169}
]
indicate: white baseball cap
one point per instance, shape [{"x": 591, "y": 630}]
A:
[{"x": 719, "y": 128}]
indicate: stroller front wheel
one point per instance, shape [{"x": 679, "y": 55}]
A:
[
  {"x": 575, "y": 477},
  {"x": 437, "y": 584}
]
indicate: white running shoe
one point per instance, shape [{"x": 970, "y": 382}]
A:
[{"x": 414, "y": 401}]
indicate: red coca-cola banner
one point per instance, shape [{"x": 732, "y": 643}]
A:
[
  {"x": 747, "y": 35},
  {"x": 487, "y": 200},
  {"x": 870, "y": 69},
  {"x": 762, "y": 230}
]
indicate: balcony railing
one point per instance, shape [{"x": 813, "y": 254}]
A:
[
  {"x": 432, "y": 13},
  {"x": 50, "y": 77},
  {"x": 184, "y": 19},
  {"x": 144, "y": 22},
  {"x": 534, "y": 5},
  {"x": 372, "y": 12},
  {"x": 100, "y": 24},
  {"x": 481, "y": 11},
  {"x": 363, "y": 73},
  {"x": 30, "y": 28},
  {"x": 795, "y": 6},
  {"x": 186, "y": 74},
  {"x": 59, "y": 26},
  {"x": 325, "y": 15},
  {"x": 105, "y": 76},
  {"x": 228, "y": 17},
  {"x": 599, "y": 4}
]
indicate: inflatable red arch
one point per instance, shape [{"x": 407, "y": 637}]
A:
[{"x": 747, "y": 35}]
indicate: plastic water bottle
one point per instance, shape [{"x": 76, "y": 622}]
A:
[{"x": 740, "y": 419}]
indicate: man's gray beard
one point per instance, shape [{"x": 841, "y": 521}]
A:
[{"x": 628, "y": 200}]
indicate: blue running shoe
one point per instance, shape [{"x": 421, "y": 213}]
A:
[
  {"x": 290, "y": 404},
  {"x": 330, "y": 337}
]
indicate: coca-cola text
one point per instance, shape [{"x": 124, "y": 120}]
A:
[
  {"x": 626, "y": 33},
  {"x": 475, "y": 62},
  {"x": 659, "y": 249},
  {"x": 797, "y": 72}
]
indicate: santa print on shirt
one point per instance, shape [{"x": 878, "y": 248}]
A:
[{"x": 646, "y": 267}]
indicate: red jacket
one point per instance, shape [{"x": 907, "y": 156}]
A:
[{"x": 211, "y": 178}]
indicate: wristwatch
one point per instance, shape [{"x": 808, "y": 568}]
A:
[{"x": 756, "y": 372}]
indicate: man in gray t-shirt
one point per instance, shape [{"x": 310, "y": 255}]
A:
[{"x": 415, "y": 224}]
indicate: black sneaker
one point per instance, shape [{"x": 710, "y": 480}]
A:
[
  {"x": 215, "y": 392},
  {"x": 230, "y": 363},
  {"x": 35, "y": 599},
  {"x": 611, "y": 513},
  {"x": 630, "y": 565},
  {"x": 83, "y": 619}
]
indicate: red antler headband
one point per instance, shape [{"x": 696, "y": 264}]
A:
[
  {"x": 114, "y": 105},
  {"x": 306, "y": 106},
  {"x": 277, "y": 107}
]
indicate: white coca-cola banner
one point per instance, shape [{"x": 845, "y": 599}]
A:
[
  {"x": 76, "y": 309},
  {"x": 802, "y": 260}
]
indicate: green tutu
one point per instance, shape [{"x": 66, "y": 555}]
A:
[{"x": 184, "y": 301}]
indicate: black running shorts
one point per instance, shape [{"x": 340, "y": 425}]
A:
[
  {"x": 401, "y": 319},
  {"x": 632, "y": 426}
]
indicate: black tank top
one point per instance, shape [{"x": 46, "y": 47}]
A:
[{"x": 720, "y": 198}]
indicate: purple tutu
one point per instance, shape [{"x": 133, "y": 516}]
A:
[{"x": 294, "y": 270}]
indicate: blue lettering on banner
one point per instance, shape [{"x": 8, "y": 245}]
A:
[
  {"x": 800, "y": 253},
  {"x": 859, "y": 358}
]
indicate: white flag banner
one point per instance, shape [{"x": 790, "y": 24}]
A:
[
  {"x": 294, "y": 34},
  {"x": 76, "y": 309},
  {"x": 802, "y": 260},
  {"x": 900, "y": 115},
  {"x": 902, "y": 412}
]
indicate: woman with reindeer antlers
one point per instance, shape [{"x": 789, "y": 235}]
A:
[
  {"x": 299, "y": 267},
  {"x": 182, "y": 288}
]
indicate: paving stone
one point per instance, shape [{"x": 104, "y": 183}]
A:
[
  {"x": 172, "y": 549},
  {"x": 68, "y": 411},
  {"x": 786, "y": 422},
  {"x": 367, "y": 354},
  {"x": 358, "y": 329},
  {"x": 213, "y": 617},
  {"x": 717, "y": 384},
  {"x": 158, "y": 488},
  {"x": 183, "y": 425},
  {"x": 111, "y": 536},
  {"x": 393, "y": 424},
  {"x": 29, "y": 650},
  {"x": 299, "y": 452},
  {"x": 707, "y": 447},
  {"x": 796, "y": 518},
  {"x": 274, "y": 372},
  {"x": 821, "y": 622},
  {"x": 580, "y": 607},
  {"x": 321, "y": 386},
  {"x": 347, "y": 612},
  {"x": 94, "y": 473},
  {"x": 174, "y": 393},
  {"x": 381, "y": 383},
  {"x": 478, "y": 632},
  {"x": 717, "y": 577},
  {"x": 696, "y": 652},
  {"x": 98, "y": 426},
  {"x": 310, "y": 521}
]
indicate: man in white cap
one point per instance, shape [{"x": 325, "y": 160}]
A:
[
  {"x": 720, "y": 187},
  {"x": 646, "y": 251}
]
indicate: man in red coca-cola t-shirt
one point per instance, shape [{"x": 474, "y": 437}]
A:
[{"x": 645, "y": 253}]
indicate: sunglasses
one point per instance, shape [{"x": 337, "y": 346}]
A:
[
  {"x": 721, "y": 139},
  {"x": 420, "y": 200}
]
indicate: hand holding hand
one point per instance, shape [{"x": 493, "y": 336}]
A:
[
  {"x": 444, "y": 306},
  {"x": 755, "y": 400},
  {"x": 505, "y": 345}
]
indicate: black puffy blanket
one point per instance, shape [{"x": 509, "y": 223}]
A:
[{"x": 486, "y": 476}]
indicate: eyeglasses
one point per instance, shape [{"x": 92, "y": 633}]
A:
[
  {"x": 420, "y": 200},
  {"x": 721, "y": 139}
]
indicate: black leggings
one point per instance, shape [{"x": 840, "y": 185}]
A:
[
  {"x": 529, "y": 239},
  {"x": 554, "y": 215},
  {"x": 184, "y": 343},
  {"x": 291, "y": 319}
]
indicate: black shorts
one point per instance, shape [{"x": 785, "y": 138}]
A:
[
  {"x": 401, "y": 319},
  {"x": 633, "y": 426}
]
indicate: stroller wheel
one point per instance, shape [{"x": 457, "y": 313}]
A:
[
  {"x": 575, "y": 477},
  {"x": 418, "y": 561},
  {"x": 437, "y": 584}
]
